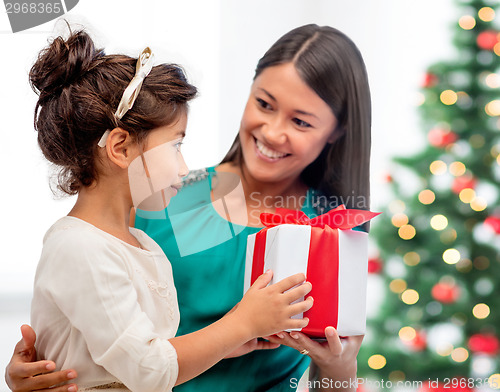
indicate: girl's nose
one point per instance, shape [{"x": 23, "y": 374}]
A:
[{"x": 183, "y": 169}]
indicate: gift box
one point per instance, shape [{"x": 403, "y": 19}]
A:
[{"x": 333, "y": 257}]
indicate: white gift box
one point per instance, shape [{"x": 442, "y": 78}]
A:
[{"x": 335, "y": 261}]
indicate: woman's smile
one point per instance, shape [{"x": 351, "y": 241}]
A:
[{"x": 267, "y": 153}]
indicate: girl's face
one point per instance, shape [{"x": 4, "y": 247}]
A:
[
  {"x": 155, "y": 175},
  {"x": 285, "y": 126}
]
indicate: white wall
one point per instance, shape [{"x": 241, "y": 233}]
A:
[{"x": 219, "y": 43}]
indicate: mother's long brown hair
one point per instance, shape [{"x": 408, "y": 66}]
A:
[{"x": 331, "y": 65}]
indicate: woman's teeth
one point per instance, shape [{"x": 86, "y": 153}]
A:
[{"x": 268, "y": 152}]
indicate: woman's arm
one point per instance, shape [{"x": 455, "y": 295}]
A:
[
  {"x": 22, "y": 374},
  {"x": 333, "y": 362}
]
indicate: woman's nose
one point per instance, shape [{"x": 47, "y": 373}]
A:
[{"x": 274, "y": 132}]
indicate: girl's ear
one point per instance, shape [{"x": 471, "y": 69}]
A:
[{"x": 120, "y": 147}]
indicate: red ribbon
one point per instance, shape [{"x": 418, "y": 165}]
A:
[{"x": 338, "y": 218}]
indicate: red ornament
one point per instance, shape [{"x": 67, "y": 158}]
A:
[
  {"x": 484, "y": 343},
  {"x": 441, "y": 138},
  {"x": 494, "y": 223},
  {"x": 374, "y": 265},
  {"x": 418, "y": 343},
  {"x": 430, "y": 80},
  {"x": 445, "y": 293},
  {"x": 463, "y": 182},
  {"x": 487, "y": 39}
]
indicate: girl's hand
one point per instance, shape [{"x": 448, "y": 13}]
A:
[
  {"x": 334, "y": 359},
  {"x": 22, "y": 374},
  {"x": 267, "y": 310},
  {"x": 252, "y": 345}
]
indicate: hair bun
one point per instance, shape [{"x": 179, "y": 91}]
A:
[{"x": 63, "y": 62}]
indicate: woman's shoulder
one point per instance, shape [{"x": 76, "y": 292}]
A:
[
  {"x": 195, "y": 190},
  {"x": 195, "y": 176}
]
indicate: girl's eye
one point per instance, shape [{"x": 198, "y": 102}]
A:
[
  {"x": 178, "y": 146},
  {"x": 301, "y": 123},
  {"x": 263, "y": 104}
]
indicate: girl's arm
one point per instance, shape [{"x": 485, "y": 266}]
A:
[{"x": 262, "y": 311}]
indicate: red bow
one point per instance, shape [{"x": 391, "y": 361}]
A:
[{"x": 338, "y": 218}]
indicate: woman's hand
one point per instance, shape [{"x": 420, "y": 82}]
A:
[
  {"x": 333, "y": 360},
  {"x": 252, "y": 345},
  {"x": 22, "y": 374}
]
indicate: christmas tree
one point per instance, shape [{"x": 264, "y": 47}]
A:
[{"x": 439, "y": 238}]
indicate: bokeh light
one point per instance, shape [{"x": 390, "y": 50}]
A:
[
  {"x": 493, "y": 108},
  {"x": 478, "y": 204},
  {"x": 467, "y": 195},
  {"x": 411, "y": 259},
  {"x": 426, "y": 196},
  {"x": 457, "y": 168},
  {"x": 377, "y": 361},
  {"x": 438, "y": 167},
  {"x": 410, "y": 297},
  {"x": 407, "y": 232},
  {"x": 481, "y": 263},
  {"x": 451, "y": 256},
  {"x": 494, "y": 381},
  {"x": 399, "y": 219},
  {"x": 477, "y": 141},
  {"x": 467, "y": 22},
  {"x": 439, "y": 222},
  {"x": 459, "y": 354},
  {"x": 492, "y": 80},
  {"x": 397, "y": 286},
  {"x": 496, "y": 49},
  {"x": 481, "y": 311},
  {"x": 407, "y": 334},
  {"x": 486, "y": 14},
  {"x": 448, "y": 236},
  {"x": 448, "y": 97}
]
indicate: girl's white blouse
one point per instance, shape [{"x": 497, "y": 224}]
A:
[{"x": 106, "y": 308}]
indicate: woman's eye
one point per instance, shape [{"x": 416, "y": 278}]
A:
[
  {"x": 301, "y": 123},
  {"x": 263, "y": 104},
  {"x": 178, "y": 146}
]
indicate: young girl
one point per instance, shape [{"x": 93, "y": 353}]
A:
[
  {"x": 304, "y": 140},
  {"x": 104, "y": 300}
]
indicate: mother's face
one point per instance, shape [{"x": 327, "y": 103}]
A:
[{"x": 285, "y": 125}]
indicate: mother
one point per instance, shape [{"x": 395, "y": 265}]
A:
[{"x": 303, "y": 143}]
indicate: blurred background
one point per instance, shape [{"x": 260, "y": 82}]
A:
[{"x": 219, "y": 42}]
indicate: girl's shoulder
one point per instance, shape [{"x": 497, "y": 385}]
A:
[{"x": 77, "y": 235}]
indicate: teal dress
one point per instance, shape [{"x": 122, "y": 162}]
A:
[{"x": 207, "y": 254}]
